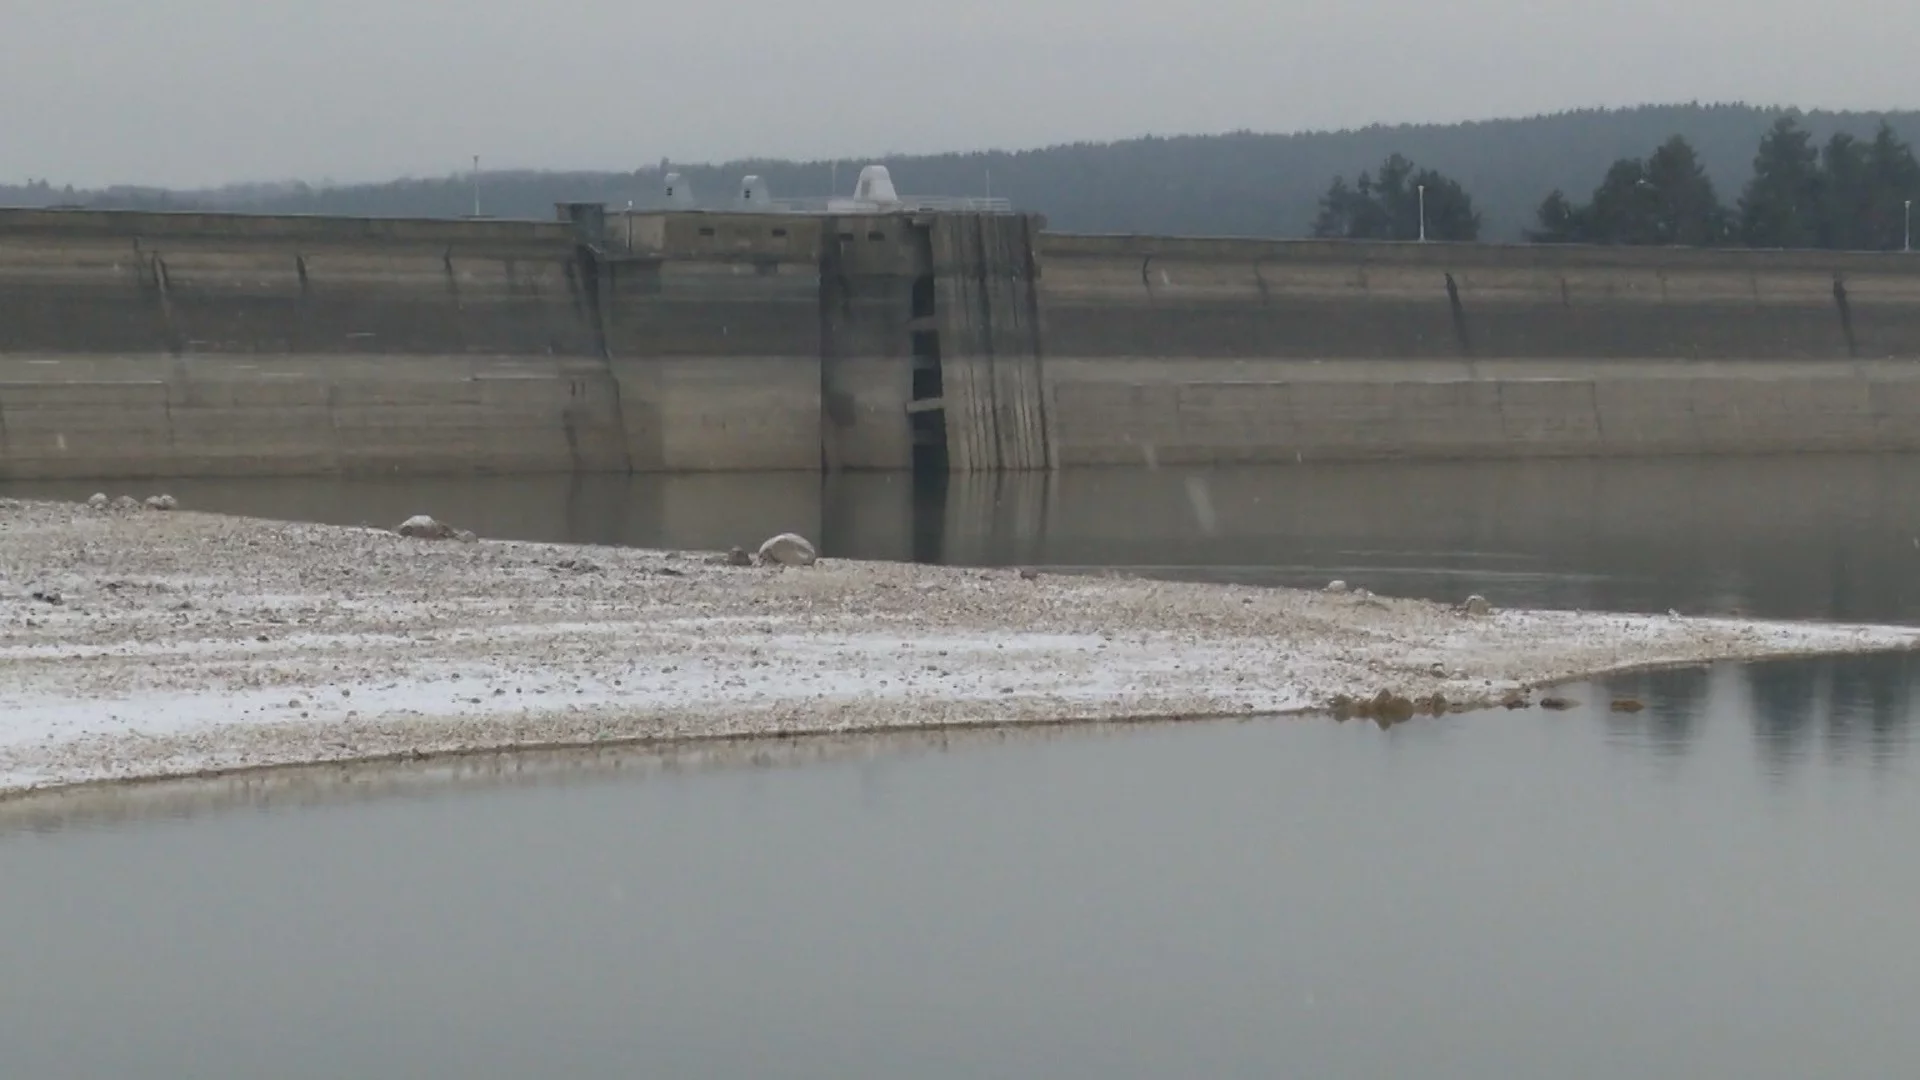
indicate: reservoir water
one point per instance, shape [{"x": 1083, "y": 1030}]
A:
[{"x": 1721, "y": 885}]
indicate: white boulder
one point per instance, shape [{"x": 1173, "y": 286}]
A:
[
  {"x": 788, "y": 549},
  {"x": 422, "y": 527}
]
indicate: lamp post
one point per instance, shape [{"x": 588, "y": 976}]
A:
[
  {"x": 1906, "y": 240},
  {"x": 1423, "y": 213},
  {"x": 476, "y": 185}
]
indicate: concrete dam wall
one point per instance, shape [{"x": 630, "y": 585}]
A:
[
  {"x": 163, "y": 344},
  {"x": 1196, "y": 351},
  {"x": 755, "y": 341},
  {"x": 147, "y": 344}
]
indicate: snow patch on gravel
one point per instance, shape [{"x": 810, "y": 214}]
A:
[{"x": 185, "y": 642}]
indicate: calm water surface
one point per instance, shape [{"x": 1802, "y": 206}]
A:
[
  {"x": 1722, "y": 885},
  {"x": 1830, "y": 537}
]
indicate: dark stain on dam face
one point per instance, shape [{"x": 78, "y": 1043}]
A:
[
  {"x": 1459, "y": 318},
  {"x": 1845, "y": 307}
]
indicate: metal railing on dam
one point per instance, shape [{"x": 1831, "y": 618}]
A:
[{"x": 906, "y": 204}]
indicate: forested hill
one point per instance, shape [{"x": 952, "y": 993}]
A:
[{"x": 1241, "y": 184}]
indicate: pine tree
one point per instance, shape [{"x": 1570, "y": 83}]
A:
[
  {"x": 1388, "y": 206},
  {"x": 1894, "y": 179},
  {"x": 1399, "y": 207},
  {"x": 1625, "y": 208},
  {"x": 1782, "y": 205},
  {"x": 1665, "y": 199},
  {"x": 1689, "y": 213},
  {"x": 1558, "y": 221},
  {"x": 1846, "y": 196},
  {"x": 1449, "y": 209},
  {"x": 1338, "y": 208}
]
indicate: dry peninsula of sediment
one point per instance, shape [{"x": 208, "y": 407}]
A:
[{"x": 143, "y": 641}]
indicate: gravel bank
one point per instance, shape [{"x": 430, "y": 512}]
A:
[{"x": 142, "y": 643}]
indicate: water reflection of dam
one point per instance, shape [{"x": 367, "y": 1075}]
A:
[{"x": 1825, "y": 535}]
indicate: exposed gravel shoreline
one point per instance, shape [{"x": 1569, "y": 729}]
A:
[{"x": 142, "y": 643}]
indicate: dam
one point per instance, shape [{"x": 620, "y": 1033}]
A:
[{"x": 948, "y": 340}]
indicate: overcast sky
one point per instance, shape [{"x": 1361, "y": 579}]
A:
[{"x": 186, "y": 92}]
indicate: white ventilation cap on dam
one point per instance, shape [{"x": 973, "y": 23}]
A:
[
  {"x": 875, "y": 185},
  {"x": 679, "y": 192},
  {"x": 753, "y": 193}
]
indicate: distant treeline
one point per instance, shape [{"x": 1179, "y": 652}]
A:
[
  {"x": 1240, "y": 184},
  {"x": 1849, "y": 194}
]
